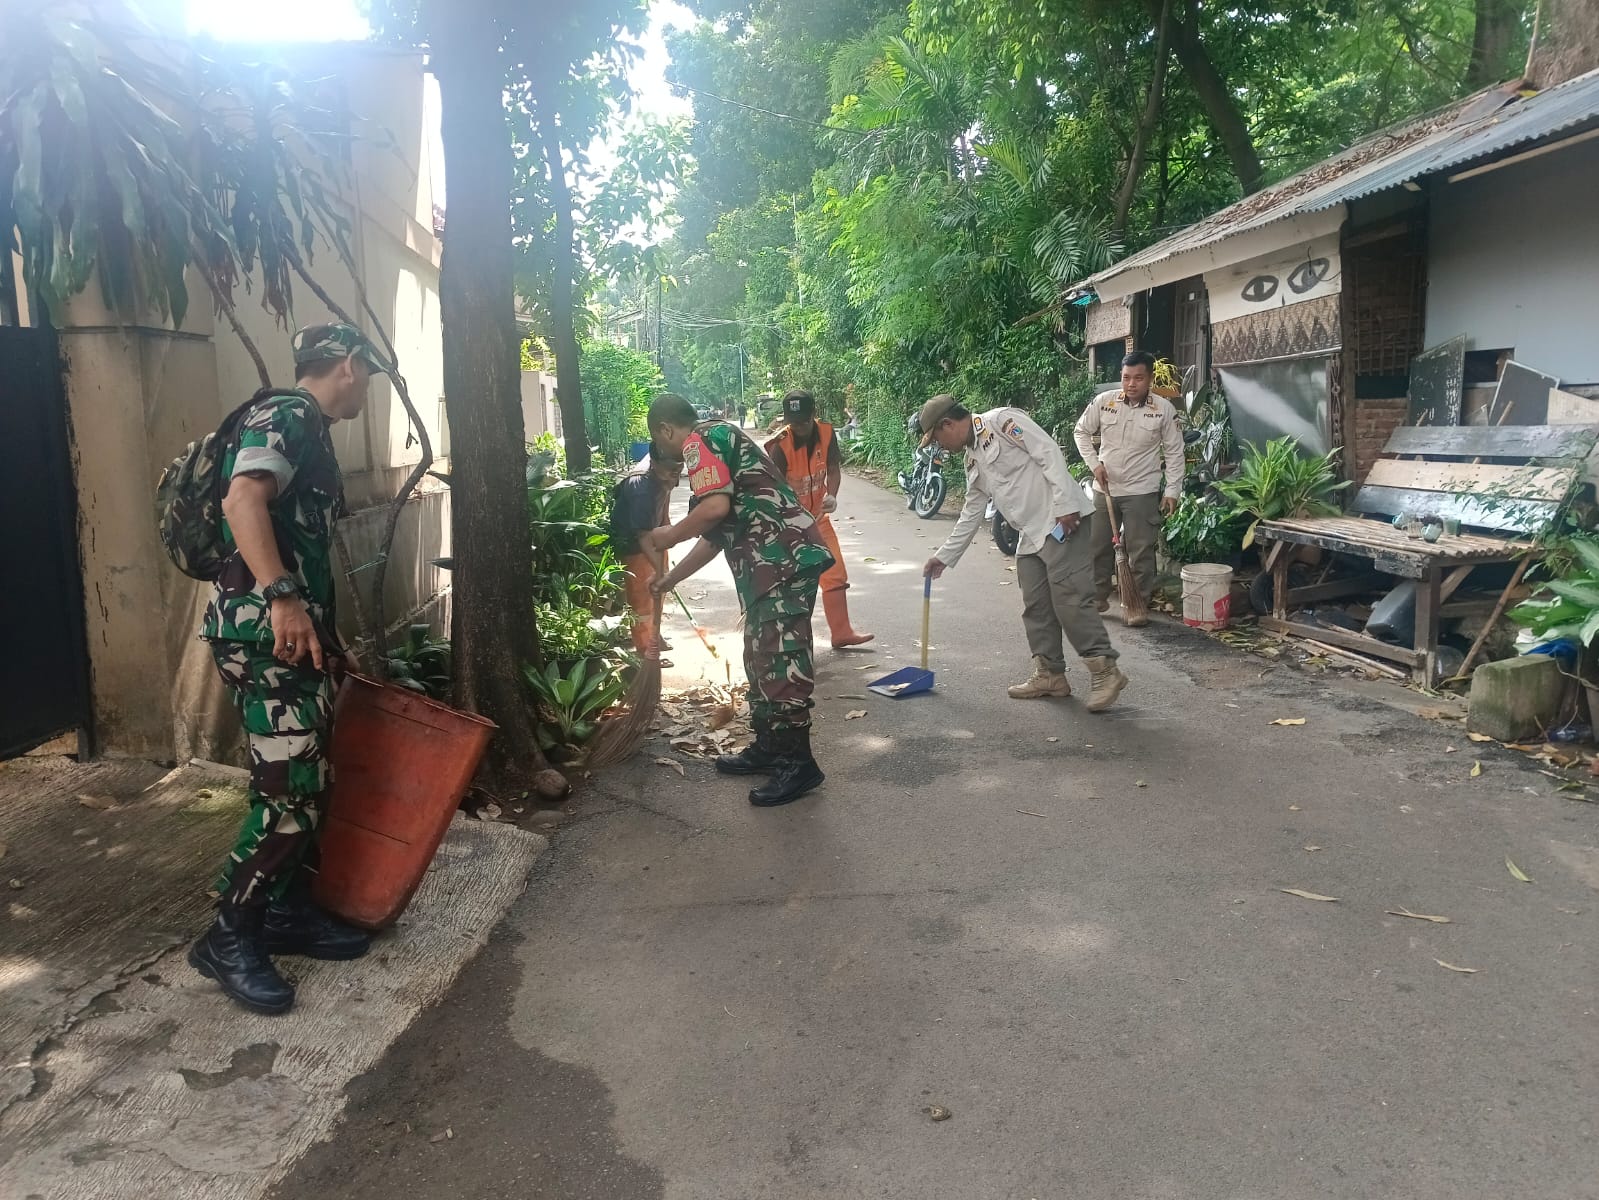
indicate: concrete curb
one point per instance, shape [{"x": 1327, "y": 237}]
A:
[{"x": 164, "y": 1089}]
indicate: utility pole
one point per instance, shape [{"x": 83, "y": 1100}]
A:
[{"x": 660, "y": 345}]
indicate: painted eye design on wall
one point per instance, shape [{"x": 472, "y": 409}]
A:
[
  {"x": 1261, "y": 287},
  {"x": 1307, "y": 275}
]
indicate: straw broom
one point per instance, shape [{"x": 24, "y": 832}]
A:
[
  {"x": 1126, "y": 582},
  {"x": 619, "y": 737}
]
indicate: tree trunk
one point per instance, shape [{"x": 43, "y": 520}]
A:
[
  {"x": 1566, "y": 41},
  {"x": 493, "y": 633},
  {"x": 568, "y": 368},
  {"x": 1214, "y": 95},
  {"x": 1146, "y": 125},
  {"x": 1491, "y": 39}
]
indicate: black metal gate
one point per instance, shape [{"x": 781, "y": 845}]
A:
[{"x": 44, "y": 661}]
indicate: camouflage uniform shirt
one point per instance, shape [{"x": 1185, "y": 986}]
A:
[
  {"x": 767, "y": 537},
  {"x": 286, "y": 437}
]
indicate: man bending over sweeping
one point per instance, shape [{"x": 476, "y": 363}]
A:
[{"x": 740, "y": 506}]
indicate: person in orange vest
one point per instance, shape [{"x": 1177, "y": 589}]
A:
[
  {"x": 807, "y": 455},
  {"x": 640, "y": 502}
]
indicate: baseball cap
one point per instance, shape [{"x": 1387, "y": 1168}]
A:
[
  {"x": 329, "y": 343},
  {"x": 934, "y": 411},
  {"x": 799, "y": 406}
]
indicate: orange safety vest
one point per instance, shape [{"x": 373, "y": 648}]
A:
[{"x": 807, "y": 466}]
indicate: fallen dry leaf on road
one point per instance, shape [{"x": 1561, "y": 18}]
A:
[
  {"x": 1289, "y": 721},
  {"x": 1054, "y": 739},
  {"x": 1139, "y": 783},
  {"x": 1450, "y": 750},
  {"x": 671, "y": 762},
  {"x": 855, "y": 714},
  {"x": 1437, "y": 714},
  {"x": 100, "y": 803},
  {"x": 1455, "y": 969},
  {"x": 721, "y": 716},
  {"x": 936, "y": 1112},
  {"x": 1479, "y": 737},
  {"x": 1517, "y": 871},
  {"x": 1476, "y": 769},
  {"x": 16, "y": 885},
  {"x": 1311, "y": 849},
  {"x": 489, "y": 812},
  {"x": 1405, "y": 912},
  {"x": 869, "y": 558},
  {"x": 1300, "y": 892}
]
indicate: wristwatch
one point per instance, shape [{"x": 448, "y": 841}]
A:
[{"x": 280, "y": 589}]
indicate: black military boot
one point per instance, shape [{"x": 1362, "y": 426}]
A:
[
  {"x": 296, "y": 926},
  {"x": 793, "y": 774},
  {"x": 755, "y": 759},
  {"x": 232, "y": 953}
]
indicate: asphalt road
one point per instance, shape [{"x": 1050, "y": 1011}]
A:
[{"x": 1108, "y": 992}]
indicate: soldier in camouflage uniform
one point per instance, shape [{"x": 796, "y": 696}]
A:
[
  {"x": 271, "y": 627},
  {"x": 742, "y": 507}
]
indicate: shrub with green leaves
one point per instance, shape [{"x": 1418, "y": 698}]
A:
[
  {"x": 1571, "y": 607},
  {"x": 1203, "y": 532},
  {"x": 571, "y": 700},
  {"x": 420, "y": 662},
  {"x": 1276, "y": 481}
]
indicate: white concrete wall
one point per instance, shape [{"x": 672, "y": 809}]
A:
[{"x": 1512, "y": 260}]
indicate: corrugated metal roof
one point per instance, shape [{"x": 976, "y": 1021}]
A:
[{"x": 1475, "y": 128}]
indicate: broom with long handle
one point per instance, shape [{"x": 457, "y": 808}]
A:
[
  {"x": 620, "y": 737},
  {"x": 1126, "y": 582}
]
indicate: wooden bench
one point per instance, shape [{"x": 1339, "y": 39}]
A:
[{"x": 1506, "y": 485}]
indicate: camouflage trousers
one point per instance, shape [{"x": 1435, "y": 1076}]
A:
[
  {"x": 288, "y": 715},
  {"x": 778, "y": 659}
]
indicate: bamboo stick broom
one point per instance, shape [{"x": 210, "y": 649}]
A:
[{"x": 1126, "y": 582}]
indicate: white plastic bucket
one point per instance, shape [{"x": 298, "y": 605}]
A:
[{"x": 1207, "y": 595}]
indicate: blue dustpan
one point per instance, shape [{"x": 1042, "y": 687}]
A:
[{"x": 911, "y": 681}]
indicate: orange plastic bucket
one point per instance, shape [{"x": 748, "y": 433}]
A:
[{"x": 401, "y": 764}]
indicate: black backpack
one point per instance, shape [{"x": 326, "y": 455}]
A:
[{"x": 188, "y": 499}]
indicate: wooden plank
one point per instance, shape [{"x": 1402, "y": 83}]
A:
[
  {"x": 1452, "y": 584},
  {"x": 1487, "y": 512},
  {"x": 1508, "y": 441},
  {"x": 1497, "y": 479},
  {"x": 1352, "y": 586},
  {"x": 1358, "y": 642}
]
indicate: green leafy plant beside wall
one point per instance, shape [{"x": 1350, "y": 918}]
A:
[
  {"x": 1201, "y": 531},
  {"x": 1276, "y": 482},
  {"x": 1570, "y": 609}
]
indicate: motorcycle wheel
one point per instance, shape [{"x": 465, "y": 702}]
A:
[
  {"x": 1005, "y": 537},
  {"x": 929, "y": 498}
]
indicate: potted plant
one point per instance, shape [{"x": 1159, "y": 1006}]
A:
[{"x": 1276, "y": 482}]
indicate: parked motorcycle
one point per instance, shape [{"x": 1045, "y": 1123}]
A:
[{"x": 924, "y": 484}]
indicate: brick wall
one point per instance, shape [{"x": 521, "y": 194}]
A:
[{"x": 1375, "y": 420}]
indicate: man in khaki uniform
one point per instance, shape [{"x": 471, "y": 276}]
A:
[
  {"x": 1138, "y": 433},
  {"x": 1010, "y": 459}
]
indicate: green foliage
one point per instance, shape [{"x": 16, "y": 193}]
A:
[
  {"x": 421, "y": 662},
  {"x": 1277, "y": 481},
  {"x": 1203, "y": 532},
  {"x": 546, "y": 460},
  {"x": 618, "y": 385},
  {"x": 1567, "y": 607},
  {"x": 572, "y": 700},
  {"x": 117, "y": 166}
]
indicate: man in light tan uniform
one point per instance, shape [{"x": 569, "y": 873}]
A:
[
  {"x": 1138, "y": 434},
  {"x": 1010, "y": 459}
]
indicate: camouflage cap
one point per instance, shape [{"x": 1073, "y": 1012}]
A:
[{"x": 329, "y": 343}]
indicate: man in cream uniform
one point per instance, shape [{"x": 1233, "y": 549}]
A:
[
  {"x": 1012, "y": 461},
  {"x": 1139, "y": 440}
]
